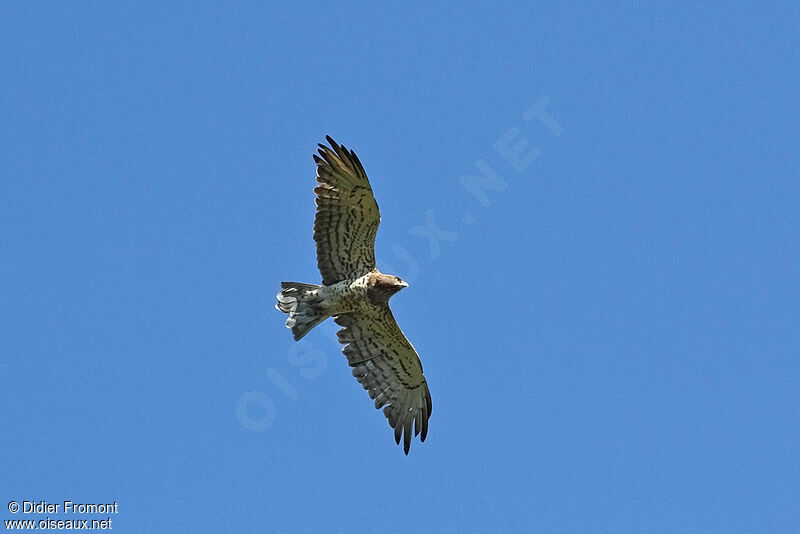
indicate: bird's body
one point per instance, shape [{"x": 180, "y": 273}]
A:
[
  {"x": 356, "y": 294},
  {"x": 348, "y": 296}
]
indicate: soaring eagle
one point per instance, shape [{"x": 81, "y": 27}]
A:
[{"x": 356, "y": 294}]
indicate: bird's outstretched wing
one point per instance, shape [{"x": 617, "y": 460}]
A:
[
  {"x": 347, "y": 215},
  {"x": 386, "y": 364}
]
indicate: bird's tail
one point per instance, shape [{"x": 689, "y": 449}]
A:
[{"x": 301, "y": 302}]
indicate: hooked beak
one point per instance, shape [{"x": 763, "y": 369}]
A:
[{"x": 403, "y": 283}]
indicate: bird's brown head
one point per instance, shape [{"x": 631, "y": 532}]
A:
[{"x": 381, "y": 287}]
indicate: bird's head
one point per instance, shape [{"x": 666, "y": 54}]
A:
[{"x": 381, "y": 287}]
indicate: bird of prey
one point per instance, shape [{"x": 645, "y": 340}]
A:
[{"x": 356, "y": 294}]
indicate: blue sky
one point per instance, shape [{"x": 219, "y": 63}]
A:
[{"x": 609, "y": 326}]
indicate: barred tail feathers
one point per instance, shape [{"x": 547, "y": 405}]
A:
[{"x": 300, "y": 302}]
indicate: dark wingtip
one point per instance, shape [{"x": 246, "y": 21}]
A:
[{"x": 334, "y": 145}]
